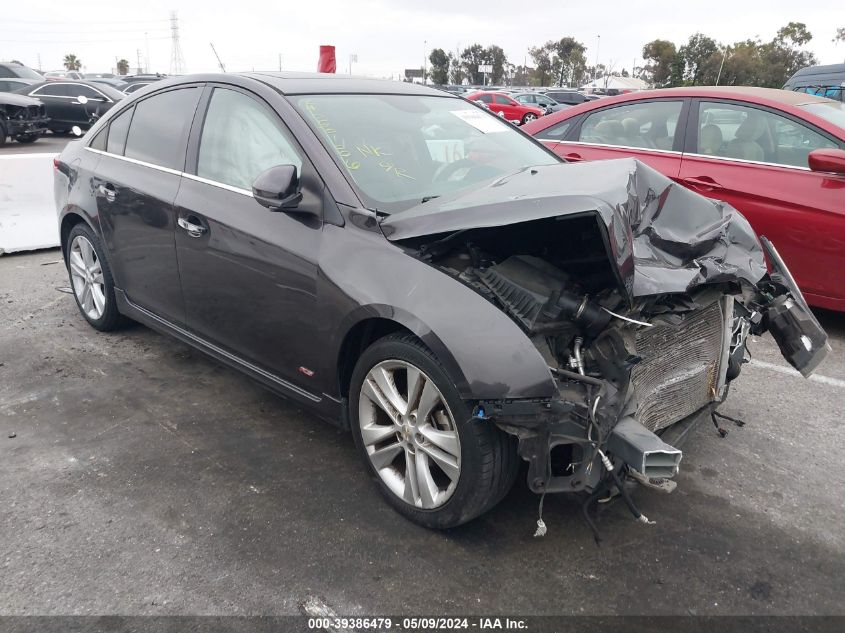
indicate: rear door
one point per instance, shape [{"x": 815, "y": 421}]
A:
[
  {"x": 136, "y": 184},
  {"x": 249, "y": 275},
  {"x": 755, "y": 159},
  {"x": 650, "y": 131}
]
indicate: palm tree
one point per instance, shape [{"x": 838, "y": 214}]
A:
[{"x": 72, "y": 62}]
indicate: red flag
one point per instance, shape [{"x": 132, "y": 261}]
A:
[{"x": 327, "y": 63}]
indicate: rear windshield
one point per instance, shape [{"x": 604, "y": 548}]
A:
[
  {"x": 833, "y": 111},
  {"x": 402, "y": 149}
]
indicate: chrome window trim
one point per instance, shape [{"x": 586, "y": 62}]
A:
[
  {"x": 135, "y": 161},
  {"x": 214, "y": 183},
  {"x": 639, "y": 149},
  {"x": 34, "y": 93},
  {"x": 175, "y": 172},
  {"x": 745, "y": 161}
]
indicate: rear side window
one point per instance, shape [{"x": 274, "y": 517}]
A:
[
  {"x": 648, "y": 124},
  {"x": 159, "y": 130},
  {"x": 557, "y": 132},
  {"x": 118, "y": 128},
  {"x": 55, "y": 90},
  {"x": 240, "y": 139},
  {"x": 485, "y": 98},
  {"x": 99, "y": 141}
]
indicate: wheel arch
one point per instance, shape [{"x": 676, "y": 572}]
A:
[
  {"x": 69, "y": 220},
  {"x": 378, "y": 322}
]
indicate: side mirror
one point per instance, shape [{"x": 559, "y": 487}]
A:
[
  {"x": 82, "y": 99},
  {"x": 829, "y": 160},
  {"x": 277, "y": 188}
]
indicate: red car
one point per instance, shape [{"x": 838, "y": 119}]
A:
[
  {"x": 777, "y": 156},
  {"x": 508, "y": 107}
]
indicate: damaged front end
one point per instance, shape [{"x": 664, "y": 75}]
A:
[
  {"x": 22, "y": 118},
  {"x": 639, "y": 295}
]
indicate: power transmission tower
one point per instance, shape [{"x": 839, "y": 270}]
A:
[{"x": 177, "y": 62}]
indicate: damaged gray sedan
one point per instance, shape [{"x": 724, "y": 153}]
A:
[{"x": 417, "y": 270}]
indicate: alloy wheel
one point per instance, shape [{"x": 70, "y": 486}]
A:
[
  {"x": 409, "y": 434},
  {"x": 530, "y": 117},
  {"x": 87, "y": 277}
]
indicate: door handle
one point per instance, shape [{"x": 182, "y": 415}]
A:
[
  {"x": 702, "y": 182},
  {"x": 194, "y": 230},
  {"x": 572, "y": 157},
  {"x": 108, "y": 191}
]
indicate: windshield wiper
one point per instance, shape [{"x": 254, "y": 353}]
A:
[{"x": 427, "y": 198}]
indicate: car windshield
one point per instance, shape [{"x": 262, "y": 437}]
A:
[
  {"x": 402, "y": 150},
  {"x": 833, "y": 111}
]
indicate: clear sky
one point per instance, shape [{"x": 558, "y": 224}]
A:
[{"x": 387, "y": 35}]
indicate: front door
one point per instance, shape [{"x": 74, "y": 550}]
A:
[
  {"x": 756, "y": 160},
  {"x": 249, "y": 274}
]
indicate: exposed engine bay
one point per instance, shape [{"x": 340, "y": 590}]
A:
[{"x": 640, "y": 313}]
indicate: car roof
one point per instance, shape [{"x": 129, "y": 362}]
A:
[{"x": 327, "y": 83}]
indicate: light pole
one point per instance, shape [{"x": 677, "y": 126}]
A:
[
  {"x": 596, "y": 67},
  {"x": 425, "y": 60},
  {"x": 353, "y": 57}
]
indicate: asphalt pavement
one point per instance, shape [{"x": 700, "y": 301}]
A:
[
  {"x": 47, "y": 144},
  {"x": 138, "y": 476}
]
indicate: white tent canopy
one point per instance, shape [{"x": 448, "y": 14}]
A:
[{"x": 627, "y": 84}]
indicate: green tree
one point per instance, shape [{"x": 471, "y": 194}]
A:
[
  {"x": 456, "y": 70},
  {"x": 439, "y": 72},
  {"x": 72, "y": 62},
  {"x": 659, "y": 56},
  {"x": 122, "y": 67},
  {"x": 496, "y": 56},
  {"x": 471, "y": 57},
  {"x": 701, "y": 62},
  {"x": 542, "y": 64},
  {"x": 568, "y": 60}
]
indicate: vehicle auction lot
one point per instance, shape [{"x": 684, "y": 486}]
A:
[{"x": 144, "y": 478}]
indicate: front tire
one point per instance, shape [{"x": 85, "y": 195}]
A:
[
  {"x": 528, "y": 117},
  {"x": 432, "y": 461},
  {"x": 91, "y": 279}
]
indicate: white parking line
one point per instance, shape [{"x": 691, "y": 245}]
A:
[
  {"x": 28, "y": 155},
  {"x": 788, "y": 371}
]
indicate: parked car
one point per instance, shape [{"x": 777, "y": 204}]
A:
[
  {"x": 21, "y": 118},
  {"x": 415, "y": 269},
  {"x": 131, "y": 88},
  {"x": 822, "y": 81},
  {"x": 117, "y": 84},
  {"x": 13, "y": 85},
  {"x": 539, "y": 100},
  {"x": 64, "y": 107},
  {"x": 59, "y": 75},
  {"x": 508, "y": 107},
  {"x": 14, "y": 70},
  {"x": 567, "y": 97},
  {"x": 774, "y": 155},
  {"x": 145, "y": 77}
]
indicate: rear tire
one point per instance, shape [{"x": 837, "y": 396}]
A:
[
  {"x": 470, "y": 464},
  {"x": 3, "y": 135},
  {"x": 91, "y": 279}
]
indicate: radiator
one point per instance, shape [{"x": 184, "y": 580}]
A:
[{"x": 680, "y": 368}]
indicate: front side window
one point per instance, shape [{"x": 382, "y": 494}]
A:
[
  {"x": 240, "y": 139},
  {"x": 160, "y": 126},
  {"x": 503, "y": 100},
  {"x": 81, "y": 90},
  {"x": 525, "y": 98},
  {"x": 649, "y": 125},
  {"x": 736, "y": 131},
  {"x": 401, "y": 149}
]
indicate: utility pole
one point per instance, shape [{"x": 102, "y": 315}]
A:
[
  {"x": 596, "y": 67},
  {"x": 147, "y": 42},
  {"x": 177, "y": 61},
  {"x": 425, "y": 60},
  {"x": 39, "y": 62},
  {"x": 138, "y": 56},
  {"x": 280, "y": 62},
  {"x": 353, "y": 57},
  {"x": 220, "y": 63}
]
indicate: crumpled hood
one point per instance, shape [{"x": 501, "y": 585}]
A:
[
  {"x": 662, "y": 237},
  {"x": 7, "y": 98}
]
